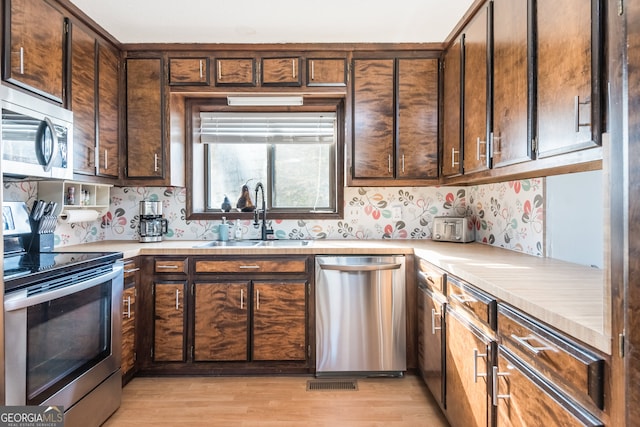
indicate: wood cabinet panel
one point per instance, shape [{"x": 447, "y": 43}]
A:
[
  {"x": 279, "y": 320},
  {"x": 373, "y": 118},
  {"x": 281, "y": 71},
  {"x": 36, "y": 38},
  {"x": 326, "y": 72},
  {"x": 452, "y": 111},
  {"x": 83, "y": 100},
  {"x": 145, "y": 118},
  {"x": 108, "y": 111},
  {"x": 476, "y": 74},
  {"x": 510, "y": 137},
  {"x": 417, "y": 135},
  {"x": 171, "y": 266},
  {"x": 526, "y": 399},
  {"x": 431, "y": 342},
  {"x": 188, "y": 71},
  {"x": 478, "y": 303},
  {"x": 236, "y": 72},
  {"x": 567, "y": 111},
  {"x": 169, "y": 322},
  {"x": 221, "y": 321},
  {"x": 249, "y": 265},
  {"x": 128, "y": 330}
]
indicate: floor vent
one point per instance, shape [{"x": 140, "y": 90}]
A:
[{"x": 332, "y": 385}]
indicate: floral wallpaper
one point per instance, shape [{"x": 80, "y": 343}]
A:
[{"x": 508, "y": 215}]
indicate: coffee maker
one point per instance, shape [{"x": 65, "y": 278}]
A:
[{"x": 152, "y": 224}]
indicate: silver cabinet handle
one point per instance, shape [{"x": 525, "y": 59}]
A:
[
  {"x": 155, "y": 162},
  {"x": 453, "y": 157},
  {"x": 576, "y": 113},
  {"x": 219, "y": 71},
  {"x": 389, "y": 166},
  {"x": 494, "y": 386},
  {"x": 21, "y": 60},
  {"x": 257, "y": 300},
  {"x": 403, "y": 163},
  {"x": 241, "y": 299},
  {"x": 249, "y": 267},
  {"x": 177, "y": 299},
  {"x": 493, "y": 144},
  {"x": 128, "y": 303},
  {"x": 293, "y": 68},
  {"x": 313, "y": 70},
  {"x": 478, "y": 144},
  {"x": 201, "y": 68},
  {"x": 106, "y": 159},
  {"x": 524, "y": 341},
  {"x": 361, "y": 267},
  {"x": 463, "y": 299},
  {"x": 433, "y": 322},
  {"x": 476, "y": 375},
  {"x": 131, "y": 270},
  {"x": 167, "y": 267}
]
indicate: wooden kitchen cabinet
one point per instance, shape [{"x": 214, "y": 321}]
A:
[
  {"x": 189, "y": 71},
  {"x": 129, "y": 304},
  {"x": 569, "y": 61},
  {"x": 221, "y": 330},
  {"x": 281, "y": 71},
  {"x": 236, "y": 72},
  {"x": 169, "y": 321},
  {"x": 35, "y": 40},
  {"x": 279, "y": 320},
  {"x": 452, "y": 110},
  {"x": 395, "y": 140},
  {"x": 326, "y": 72},
  {"x": 94, "y": 100},
  {"x": 510, "y": 138},
  {"x": 476, "y": 98},
  {"x": 431, "y": 343},
  {"x": 145, "y": 120}
]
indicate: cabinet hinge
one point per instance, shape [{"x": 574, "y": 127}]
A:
[
  {"x": 309, "y": 351},
  {"x": 66, "y": 27},
  {"x": 192, "y": 350},
  {"x": 193, "y": 289},
  {"x": 152, "y": 353},
  {"x": 621, "y": 345},
  {"x": 534, "y": 146},
  {"x": 135, "y": 356}
]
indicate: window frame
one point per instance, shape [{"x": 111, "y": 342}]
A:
[{"x": 196, "y": 203}]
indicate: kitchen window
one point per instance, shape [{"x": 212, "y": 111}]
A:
[{"x": 294, "y": 152}]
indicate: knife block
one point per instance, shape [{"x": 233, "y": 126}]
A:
[{"x": 40, "y": 243}]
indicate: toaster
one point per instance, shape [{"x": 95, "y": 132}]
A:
[{"x": 452, "y": 229}]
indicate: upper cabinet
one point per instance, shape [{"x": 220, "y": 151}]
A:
[
  {"x": 395, "y": 121},
  {"x": 326, "y": 72},
  {"x": 108, "y": 146},
  {"x": 189, "y": 71},
  {"x": 35, "y": 38},
  {"x": 281, "y": 71},
  {"x": 569, "y": 54},
  {"x": 452, "y": 111},
  {"x": 236, "y": 72}
]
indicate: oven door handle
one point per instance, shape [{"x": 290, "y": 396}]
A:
[{"x": 20, "y": 300}]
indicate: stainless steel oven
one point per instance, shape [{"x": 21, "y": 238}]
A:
[{"x": 63, "y": 333}]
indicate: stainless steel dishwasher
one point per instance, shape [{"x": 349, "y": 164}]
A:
[{"x": 360, "y": 315}]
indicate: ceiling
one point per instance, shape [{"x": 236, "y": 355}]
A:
[{"x": 276, "y": 21}]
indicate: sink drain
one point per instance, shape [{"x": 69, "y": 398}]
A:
[{"x": 332, "y": 385}]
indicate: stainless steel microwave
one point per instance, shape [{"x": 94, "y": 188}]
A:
[{"x": 37, "y": 136}]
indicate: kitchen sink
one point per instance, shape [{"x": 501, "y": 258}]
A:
[
  {"x": 229, "y": 243},
  {"x": 284, "y": 243}
]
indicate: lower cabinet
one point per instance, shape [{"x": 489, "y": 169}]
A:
[
  {"x": 169, "y": 322},
  {"x": 128, "y": 365},
  {"x": 431, "y": 329}
]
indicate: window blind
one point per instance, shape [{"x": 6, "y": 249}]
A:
[{"x": 272, "y": 128}]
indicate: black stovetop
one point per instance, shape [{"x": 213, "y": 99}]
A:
[{"x": 26, "y": 268}]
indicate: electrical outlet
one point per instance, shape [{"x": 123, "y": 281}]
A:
[{"x": 396, "y": 213}]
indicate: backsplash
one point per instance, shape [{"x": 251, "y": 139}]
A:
[{"x": 508, "y": 215}]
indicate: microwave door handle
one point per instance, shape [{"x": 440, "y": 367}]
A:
[
  {"x": 46, "y": 147},
  {"x": 20, "y": 300}
]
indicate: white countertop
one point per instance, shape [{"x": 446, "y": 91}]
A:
[{"x": 567, "y": 296}]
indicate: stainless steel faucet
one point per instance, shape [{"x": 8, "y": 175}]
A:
[{"x": 256, "y": 214}]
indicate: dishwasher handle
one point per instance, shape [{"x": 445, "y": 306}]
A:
[{"x": 361, "y": 267}]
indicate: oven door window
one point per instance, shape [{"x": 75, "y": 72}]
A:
[{"x": 66, "y": 337}]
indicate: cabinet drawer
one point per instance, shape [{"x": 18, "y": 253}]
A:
[
  {"x": 326, "y": 72},
  {"x": 171, "y": 266},
  {"x": 478, "y": 303},
  {"x": 563, "y": 361},
  {"x": 235, "y": 72},
  {"x": 249, "y": 265},
  {"x": 131, "y": 267},
  {"x": 432, "y": 276},
  {"x": 281, "y": 71},
  {"x": 188, "y": 71}
]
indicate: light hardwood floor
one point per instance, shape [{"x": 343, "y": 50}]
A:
[{"x": 274, "y": 401}]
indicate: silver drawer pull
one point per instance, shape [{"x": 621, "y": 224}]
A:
[
  {"x": 177, "y": 299},
  {"x": 524, "y": 341},
  {"x": 168, "y": 267},
  {"x": 433, "y": 322},
  {"x": 494, "y": 386},
  {"x": 463, "y": 299},
  {"x": 127, "y": 314},
  {"x": 476, "y": 375},
  {"x": 131, "y": 270},
  {"x": 250, "y": 267},
  {"x": 241, "y": 299}
]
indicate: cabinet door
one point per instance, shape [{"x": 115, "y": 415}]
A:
[
  {"x": 145, "y": 118},
  {"x": 188, "y": 71},
  {"x": 430, "y": 345},
  {"x": 468, "y": 363},
  {"x": 281, "y": 72},
  {"x": 82, "y": 100},
  {"x": 279, "y": 320},
  {"x": 236, "y": 72},
  {"x": 108, "y": 108},
  {"x": 475, "y": 93},
  {"x": 417, "y": 136},
  {"x": 128, "y": 330},
  {"x": 510, "y": 141},
  {"x": 221, "y": 321},
  {"x": 169, "y": 322},
  {"x": 326, "y": 72},
  {"x": 452, "y": 110},
  {"x": 373, "y": 118},
  {"x": 36, "y": 37},
  {"x": 568, "y": 109},
  {"x": 523, "y": 398}
]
